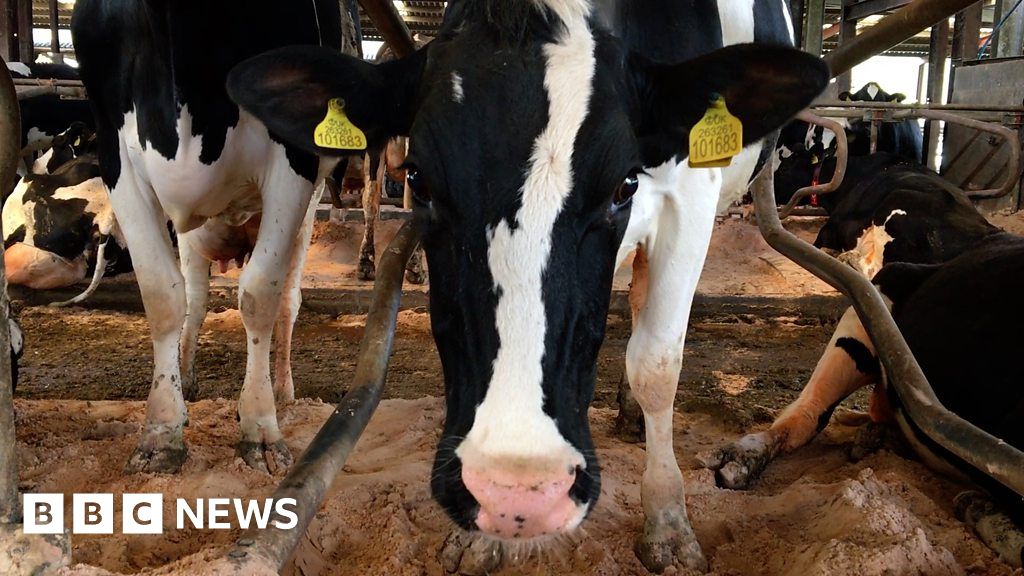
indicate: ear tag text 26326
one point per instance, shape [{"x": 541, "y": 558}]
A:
[
  {"x": 716, "y": 138},
  {"x": 337, "y": 131}
]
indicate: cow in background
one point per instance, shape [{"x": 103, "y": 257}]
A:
[
  {"x": 548, "y": 141},
  {"x": 380, "y": 166},
  {"x": 952, "y": 280},
  {"x": 173, "y": 146},
  {"x": 804, "y": 149},
  {"x": 59, "y": 227},
  {"x": 44, "y": 117}
]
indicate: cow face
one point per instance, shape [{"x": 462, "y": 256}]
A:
[
  {"x": 527, "y": 131},
  {"x": 872, "y": 92}
]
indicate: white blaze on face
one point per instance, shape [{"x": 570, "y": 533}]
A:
[
  {"x": 737, "y": 17},
  {"x": 510, "y": 423},
  {"x": 867, "y": 257}
]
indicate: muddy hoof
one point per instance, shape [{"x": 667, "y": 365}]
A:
[
  {"x": 273, "y": 459},
  {"x": 738, "y": 464},
  {"x": 163, "y": 460},
  {"x": 415, "y": 276},
  {"x": 870, "y": 438},
  {"x": 992, "y": 525},
  {"x": 189, "y": 386},
  {"x": 629, "y": 423},
  {"x": 469, "y": 555},
  {"x": 668, "y": 540},
  {"x": 366, "y": 271}
]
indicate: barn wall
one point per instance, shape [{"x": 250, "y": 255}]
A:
[{"x": 975, "y": 162}]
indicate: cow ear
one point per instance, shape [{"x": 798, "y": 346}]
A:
[
  {"x": 291, "y": 91},
  {"x": 897, "y": 97},
  {"x": 845, "y": 96},
  {"x": 763, "y": 86}
]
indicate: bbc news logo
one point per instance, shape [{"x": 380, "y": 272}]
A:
[{"x": 144, "y": 513}]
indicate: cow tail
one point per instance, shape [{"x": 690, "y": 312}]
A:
[{"x": 97, "y": 274}]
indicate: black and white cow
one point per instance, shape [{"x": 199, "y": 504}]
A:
[
  {"x": 59, "y": 227},
  {"x": 805, "y": 150},
  {"x": 44, "y": 117},
  {"x": 952, "y": 280},
  {"x": 548, "y": 140},
  {"x": 173, "y": 146}
]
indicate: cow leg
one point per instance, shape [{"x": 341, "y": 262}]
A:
[
  {"x": 196, "y": 270},
  {"x": 161, "y": 448},
  {"x": 291, "y": 301},
  {"x": 653, "y": 361},
  {"x": 629, "y": 424},
  {"x": 286, "y": 197},
  {"x": 373, "y": 177},
  {"x": 848, "y": 364},
  {"x": 992, "y": 525}
]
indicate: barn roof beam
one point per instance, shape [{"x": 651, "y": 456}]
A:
[
  {"x": 891, "y": 30},
  {"x": 389, "y": 23}
]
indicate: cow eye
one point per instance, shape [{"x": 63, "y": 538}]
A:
[
  {"x": 624, "y": 193},
  {"x": 419, "y": 188}
]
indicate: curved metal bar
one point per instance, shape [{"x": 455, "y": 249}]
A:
[
  {"x": 10, "y": 148},
  {"x": 313, "y": 473},
  {"x": 1013, "y": 165},
  {"x": 842, "y": 155},
  {"x": 978, "y": 448}
]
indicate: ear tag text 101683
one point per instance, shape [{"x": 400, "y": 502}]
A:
[
  {"x": 337, "y": 131},
  {"x": 716, "y": 138}
]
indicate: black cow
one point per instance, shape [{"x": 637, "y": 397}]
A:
[
  {"x": 173, "y": 146},
  {"x": 535, "y": 132},
  {"x": 953, "y": 280},
  {"x": 44, "y": 117}
]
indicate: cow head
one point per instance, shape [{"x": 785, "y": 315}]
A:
[
  {"x": 529, "y": 131},
  {"x": 872, "y": 92}
]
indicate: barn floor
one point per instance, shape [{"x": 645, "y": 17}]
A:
[{"x": 816, "y": 512}]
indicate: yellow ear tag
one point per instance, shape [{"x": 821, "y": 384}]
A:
[
  {"x": 337, "y": 131},
  {"x": 716, "y": 138}
]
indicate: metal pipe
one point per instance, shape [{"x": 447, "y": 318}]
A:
[
  {"x": 842, "y": 155},
  {"x": 34, "y": 91},
  {"x": 892, "y": 30},
  {"x": 901, "y": 106},
  {"x": 10, "y": 147},
  {"x": 981, "y": 450},
  {"x": 1013, "y": 165},
  {"x": 389, "y": 23},
  {"x": 312, "y": 475}
]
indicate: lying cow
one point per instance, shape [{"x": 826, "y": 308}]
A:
[
  {"x": 548, "y": 141},
  {"x": 173, "y": 146},
  {"x": 952, "y": 280},
  {"x": 59, "y": 227}
]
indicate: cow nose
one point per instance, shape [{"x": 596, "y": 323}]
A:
[{"x": 523, "y": 504}]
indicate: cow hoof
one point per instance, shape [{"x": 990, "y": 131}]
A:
[
  {"x": 629, "y": 424},
  {"x": 870, "y": 438},
  {"x": 366, "y": 271},
  {"x": 189, "y": 388},
  {"x": 668, "y": 540},
  {"x": 273, "y": 459},
  {"x": 163, "y": 460},
  {"x": 469, "y": 555},
  {"x": 738, "y": 464},
  {"x": 415, "y": 276}
]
